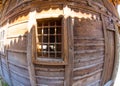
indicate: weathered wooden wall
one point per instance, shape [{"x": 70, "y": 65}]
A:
[
  {"x": 89, "y": 43},
  {"x": 89, "y": 51}
]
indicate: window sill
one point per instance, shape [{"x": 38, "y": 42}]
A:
[{"x": 49, "y": 62}]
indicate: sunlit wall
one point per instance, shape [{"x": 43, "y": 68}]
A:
[
  {"x": 117, "y": 82},
  {"x": 118, "y": 8}
]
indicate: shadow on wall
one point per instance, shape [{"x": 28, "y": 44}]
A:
[{"x": 88, "y": 48}]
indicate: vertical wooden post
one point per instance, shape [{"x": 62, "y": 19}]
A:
[
  {"x": 30, "y": 47},
  {"x": 68, "y": 48},
  {"x": 106, "y": 49},
  {"x": 117, "y": 59},
  {"x": 110, "y": 45}
]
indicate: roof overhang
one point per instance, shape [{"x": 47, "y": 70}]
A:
[{"x": 115, "y": 2}]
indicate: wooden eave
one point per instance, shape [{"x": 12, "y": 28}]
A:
[
  {"x": 0, "y": 5},
  {"x": 115, "y": 2}
]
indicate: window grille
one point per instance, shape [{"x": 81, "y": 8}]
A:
[{"x": 49, "y": 39}]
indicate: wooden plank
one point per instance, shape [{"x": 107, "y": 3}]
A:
[
  {"x": 11, "y": 84},
  {"x": 18, "y": 58},
  {"x": 116, "y": 63},
  {"x": 52, "y": 78},
  {"x": 17, "y": 44},
  {"x": 31, "y": 49},
  {"x": 87, "y": 59},
  {"x": 109, "y": 53},
  {"x": 89, "y": 38},
  {"x": 16, "y": 82},
  {"x": 65, "y": 53},
  {"x": 50, "y": 70},
  {"x": 87, "y": 75},
  {"x": 24, "y": 81},
  {"x": 7, "y": 63},
  {"x": 17, "y": 65},
  {"x": 106, "y": 49},
  {"x": 17, "y": 51},
  {"x": 88, "y": 51},
  {"x": 89, "y": 80},
  {"x": 90, "y": 44},
  {"x": 87, "y": 67},
  {"x": 19, "y": 74},
  {"x": 69, "y": 50},
  {"x": 29, "y": 59},
  {"x": 49, "y": 63},
  {"x": 71, "y": 47},
  {"x": 49, "y": 82}
]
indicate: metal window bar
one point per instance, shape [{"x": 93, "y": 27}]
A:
[
  {"x": 42, "y": 39},
  {"x": 49, "y": 39},
  {"x": 55, "y": 41}
]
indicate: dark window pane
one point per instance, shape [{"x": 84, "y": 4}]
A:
[
  {"x": 58, "y": 38},
  {"x": 45, "y": 39},
  {"x": 40, "y": 39},
  {"x": 39, "y": 24},
  {"x": 52, "y": 55},
  {"x": 52, "y": 23},
  {"x": 58, "y": 47},
  {"x": 40, "y": 31},
  {"x": 58, "y": 23},
  {"x": 58, "y": 31},
  {"x": 52, "y": 39},
  {"x": 45, "y": 23},
  {"x": 52, "y": 30},
  {"x": 45, "y": 30}
]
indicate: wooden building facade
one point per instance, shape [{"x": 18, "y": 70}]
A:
[{"x": 58, "y": 42}]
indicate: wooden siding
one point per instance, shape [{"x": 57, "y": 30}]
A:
[
  {"x": 88, "y": 51},
  {"x": 49, "y": 75},
  {"x": 88, "y": 43}
]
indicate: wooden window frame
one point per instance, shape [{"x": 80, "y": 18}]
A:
[{"x": 63, "y": 52}]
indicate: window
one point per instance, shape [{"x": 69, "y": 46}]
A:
[{"x": 49, "y": 39}]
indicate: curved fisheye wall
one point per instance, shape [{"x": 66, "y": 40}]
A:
[{"x": 58, "y": 42}]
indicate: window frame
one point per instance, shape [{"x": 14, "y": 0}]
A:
[{"x": 51, "y": 61}]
